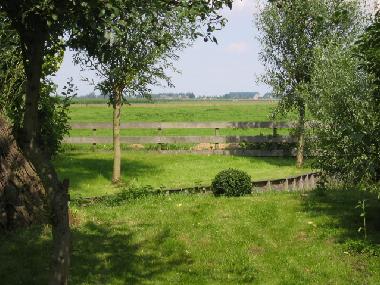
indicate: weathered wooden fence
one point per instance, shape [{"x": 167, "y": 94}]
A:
[
  {"x": 216, "y": 139},
  {"x": 303, "y": 182}
]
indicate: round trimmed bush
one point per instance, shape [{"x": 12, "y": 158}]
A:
[{"x": 231, "y": 182}]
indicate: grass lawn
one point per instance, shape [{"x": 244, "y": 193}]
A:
[
  {"x": 90, "y": 173},
  {"x": 271, "y": 238}
]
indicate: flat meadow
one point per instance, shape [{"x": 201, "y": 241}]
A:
[{"x": 137, "y": 237}]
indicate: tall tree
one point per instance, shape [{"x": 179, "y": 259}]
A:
[
  {"x": 345, "y": 105},
  {"x": 42, "y": 23},
  {"x": 290, "y": 30},
  {"x": 130, "y": 64}
]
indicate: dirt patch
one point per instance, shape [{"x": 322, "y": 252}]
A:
[
  {"x": 137, "y": 146},
  {"x": 256, "y": 250},
  {"x": 212, "y": 146},
  {"x": 74, "y": 219},
  {"x": 301, "y": 236}
]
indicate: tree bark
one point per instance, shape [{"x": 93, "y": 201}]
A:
[
  {"x": 33, "y": 46},
  {"x": 61, "y": 237},
  {"x": 301, "y": 136},
  {"x": 23, "y": 198},
  {"x": 116, "y": 174}
]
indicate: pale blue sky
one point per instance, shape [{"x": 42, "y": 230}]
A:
[{"x": 207, "y": 69}]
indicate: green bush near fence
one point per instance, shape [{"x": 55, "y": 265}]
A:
[{"x": 232, "y": 182}]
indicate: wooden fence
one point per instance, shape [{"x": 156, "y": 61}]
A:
[
  {"x": 303, "y": 182},
  {"x": 215, "y": 139}
]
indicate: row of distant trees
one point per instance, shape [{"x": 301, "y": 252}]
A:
[{"x": 189, "y": 95}]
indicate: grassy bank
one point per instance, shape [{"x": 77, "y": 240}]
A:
[{"x": 90, "y": 173}]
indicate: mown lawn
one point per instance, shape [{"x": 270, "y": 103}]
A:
[
  {"x": 90, "y": 173},
  {"x": 271, "y": 238}
]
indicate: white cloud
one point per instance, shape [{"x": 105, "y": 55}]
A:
[
  {"x": 246, "y": 6},
  {"x": 243, "y": 4},
  {"x": 371, "y": 6},
  {"x": 237, "y": 47}
]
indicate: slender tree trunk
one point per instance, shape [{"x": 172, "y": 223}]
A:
[
  {"x": 60, "y": 263},
  {"x": 33, "y": 54},
  {"x": 116, "y": 137},
  {"x": 301, "y": 136}
]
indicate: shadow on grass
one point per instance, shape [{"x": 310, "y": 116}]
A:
[
  {"x": 24, "y": 256},
  {"x": 81, "y": 169},
  {"x": 339, "y": 204},
  {"x": 101, "y": 255}
]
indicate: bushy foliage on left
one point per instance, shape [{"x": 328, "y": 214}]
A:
[{"x": 52, "y": 109}]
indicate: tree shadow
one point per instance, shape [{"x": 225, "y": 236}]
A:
[
  {"x": 25, "y": 256},
  {"x": 105, "y": 253},
  {"x": 102, "y": 254},
  {"x": 82, "y": 170},
  {"x": 339, "y": 204}
]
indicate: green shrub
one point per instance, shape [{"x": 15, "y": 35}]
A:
[{"x": 231, "y": 182}]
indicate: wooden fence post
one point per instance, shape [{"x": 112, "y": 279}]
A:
[
  {"x": 307, "y": 182},
  {"x": 300, "y": 183},
  {"x": 94, "y": 143},
  {"x": 294, "y": 184},
  {"x": 160, "y": 135},
  {"x": 216, "y": 134},
  {"x": 274, "y": 129},
  {"x": 312, "y": 181}
]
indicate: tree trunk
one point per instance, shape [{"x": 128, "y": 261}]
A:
[
  {"x": 22, "y": 195},
  {"x": 301, "y": 136},
  {"x": 33, "y": 34},
  {"x": 116, "y": 178},
  {"x": 60, "y": 263},
  {"x": 33, "y": 45}
]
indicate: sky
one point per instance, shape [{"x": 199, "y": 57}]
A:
[
  {"x": 209, "y": 69},
  {"x": 206, "y": 68}
]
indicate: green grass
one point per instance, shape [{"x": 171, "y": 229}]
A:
[
  {"x": 90, "y": 173},
  {"x": 186, "y": 111},
  {"x": 272, "y": 238},
  {"x": 177, "y": 112}
]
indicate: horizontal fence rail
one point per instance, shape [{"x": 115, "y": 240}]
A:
[
  {"x": 181, "y": 139},
  {"x": 216, "y": 139},
  {"x": 186, "y": 125}
]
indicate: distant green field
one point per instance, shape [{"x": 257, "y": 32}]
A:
[
  {"x": 177, "y": 112},
  {"x": 186, "y": 111},
  {"x": 90, "y": 172}
]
